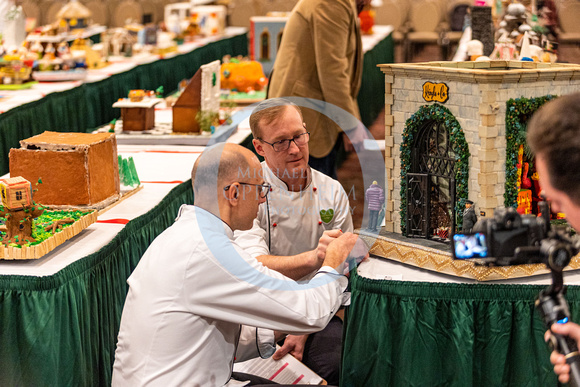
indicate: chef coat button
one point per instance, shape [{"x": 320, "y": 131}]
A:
[
  {"x": 320, "y": 222},
  {"x": 274, "y": 225},
  {"x": 314, "y": 189}
]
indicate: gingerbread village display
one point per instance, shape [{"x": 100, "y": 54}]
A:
[
  {"x": 195, "y": 108},
  {"x": 75, "y": 176},
  {"x": 200, "y": 108},
  {"x": 64, "y": 49}
]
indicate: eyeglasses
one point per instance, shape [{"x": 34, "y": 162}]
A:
[
  {"x": 282, "y": 145},
  {"x": 264, "y": 188}
]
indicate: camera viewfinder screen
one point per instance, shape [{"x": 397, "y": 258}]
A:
[{"x": 468, "y": 246}]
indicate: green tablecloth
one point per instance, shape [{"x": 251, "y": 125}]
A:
[
  {"x": 438, "y": 334},
  {"x": 90, "y": 105},
  {"x": 61, "y": 330},
  {"x": 371, "y": 97}
]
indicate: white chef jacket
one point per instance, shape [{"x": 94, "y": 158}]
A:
[
  {"x": 296, "y": 220},
  {"x": 189, "y": 296}
]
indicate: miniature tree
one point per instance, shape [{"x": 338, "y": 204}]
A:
[
  {"x": 19, "y": 224},
  {"x": 19, "y": 210}
]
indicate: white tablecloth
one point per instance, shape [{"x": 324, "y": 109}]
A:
[
  {"x": 160, "y": 169},
  {"x": 383, "y": 268}
]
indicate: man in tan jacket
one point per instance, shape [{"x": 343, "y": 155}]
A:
[{"x": 320, "y": 58}]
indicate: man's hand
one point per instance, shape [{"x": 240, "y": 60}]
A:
[
  {"x": 279, "y": 336},
  {"x": 339, "y": 249},
  {"x": 294, "y": 345},
  {"x": 358, "y": 254},
  {"x": 327, "y": 237},
  {"x": 561, "y": 368}
]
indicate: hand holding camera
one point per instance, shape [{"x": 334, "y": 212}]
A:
[{"x": 570, "y": 333}]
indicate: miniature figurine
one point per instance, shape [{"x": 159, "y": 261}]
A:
[
  {"x": 375, "y": 198},
  {"x": 469, "y": 217}
]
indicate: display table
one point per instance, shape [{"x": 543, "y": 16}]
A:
[
  {"x": 378, "y": 48},
  {"x": 60, "y": 314},
  {"x": 79, "y": 106},
  {"x": 408, "y": 326}
]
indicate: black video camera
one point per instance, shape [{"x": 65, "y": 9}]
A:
[{"x": 513, "y": 239}]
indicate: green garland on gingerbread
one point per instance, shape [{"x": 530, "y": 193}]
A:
[
  {"x": 518, "y": 112},
  {"x": 460, "y": 147}
]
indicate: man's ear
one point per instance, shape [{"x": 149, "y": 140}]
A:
[
  {"x": 258, "y": 147},
  {"x": 232, "y": 194}
]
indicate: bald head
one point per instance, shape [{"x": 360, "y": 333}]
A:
[{"x": 219, "y": 166}]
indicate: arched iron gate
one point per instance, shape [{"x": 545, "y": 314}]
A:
[{"x": 431, "y": 184}]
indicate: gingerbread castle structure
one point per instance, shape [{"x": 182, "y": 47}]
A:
[{"x": 450, "y": 137}]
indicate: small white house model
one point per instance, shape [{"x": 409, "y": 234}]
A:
[
  {"x": 210, "y": 87},
  {"x": 118, "y": 42},
  {"x": 176, "y": 15},
  {"x": 210, "y": 18}
]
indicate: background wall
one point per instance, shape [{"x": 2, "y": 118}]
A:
[{"x": 114, "y": 13}]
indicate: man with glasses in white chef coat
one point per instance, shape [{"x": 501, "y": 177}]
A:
[{"x": 304, "y": 212}]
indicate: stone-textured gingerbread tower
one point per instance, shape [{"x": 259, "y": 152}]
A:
[{"x": 477, "y": 93}]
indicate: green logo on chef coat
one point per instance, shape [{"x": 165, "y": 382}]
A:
[{"x": 327, "y": 215}]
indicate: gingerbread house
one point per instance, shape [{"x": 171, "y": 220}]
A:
[
  {"x": 74, "y": 15},
  {"x": 265, "y": 37},
  {"x": 210, "y": 18},
  {"x": 455, "y": 131},
  {"x": 201, "y": 95},
  {"x": 76, "y": 169}
]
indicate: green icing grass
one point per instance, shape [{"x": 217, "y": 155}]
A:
[{"x": 46, "y": 219}]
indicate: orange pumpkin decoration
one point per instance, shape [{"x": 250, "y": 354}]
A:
[{"x": 243, "y": 76}]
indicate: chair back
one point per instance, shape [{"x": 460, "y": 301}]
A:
[
  {"x": 99, "y": 12},
  {"x": 425, "y": 15},
  {"x": 126, "y": 10},
  {"x": 390, "y": 13},
  {"x": 568, "y": 14}
]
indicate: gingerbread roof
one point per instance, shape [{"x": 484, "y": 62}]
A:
[{"x": 72, "y": 10}]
